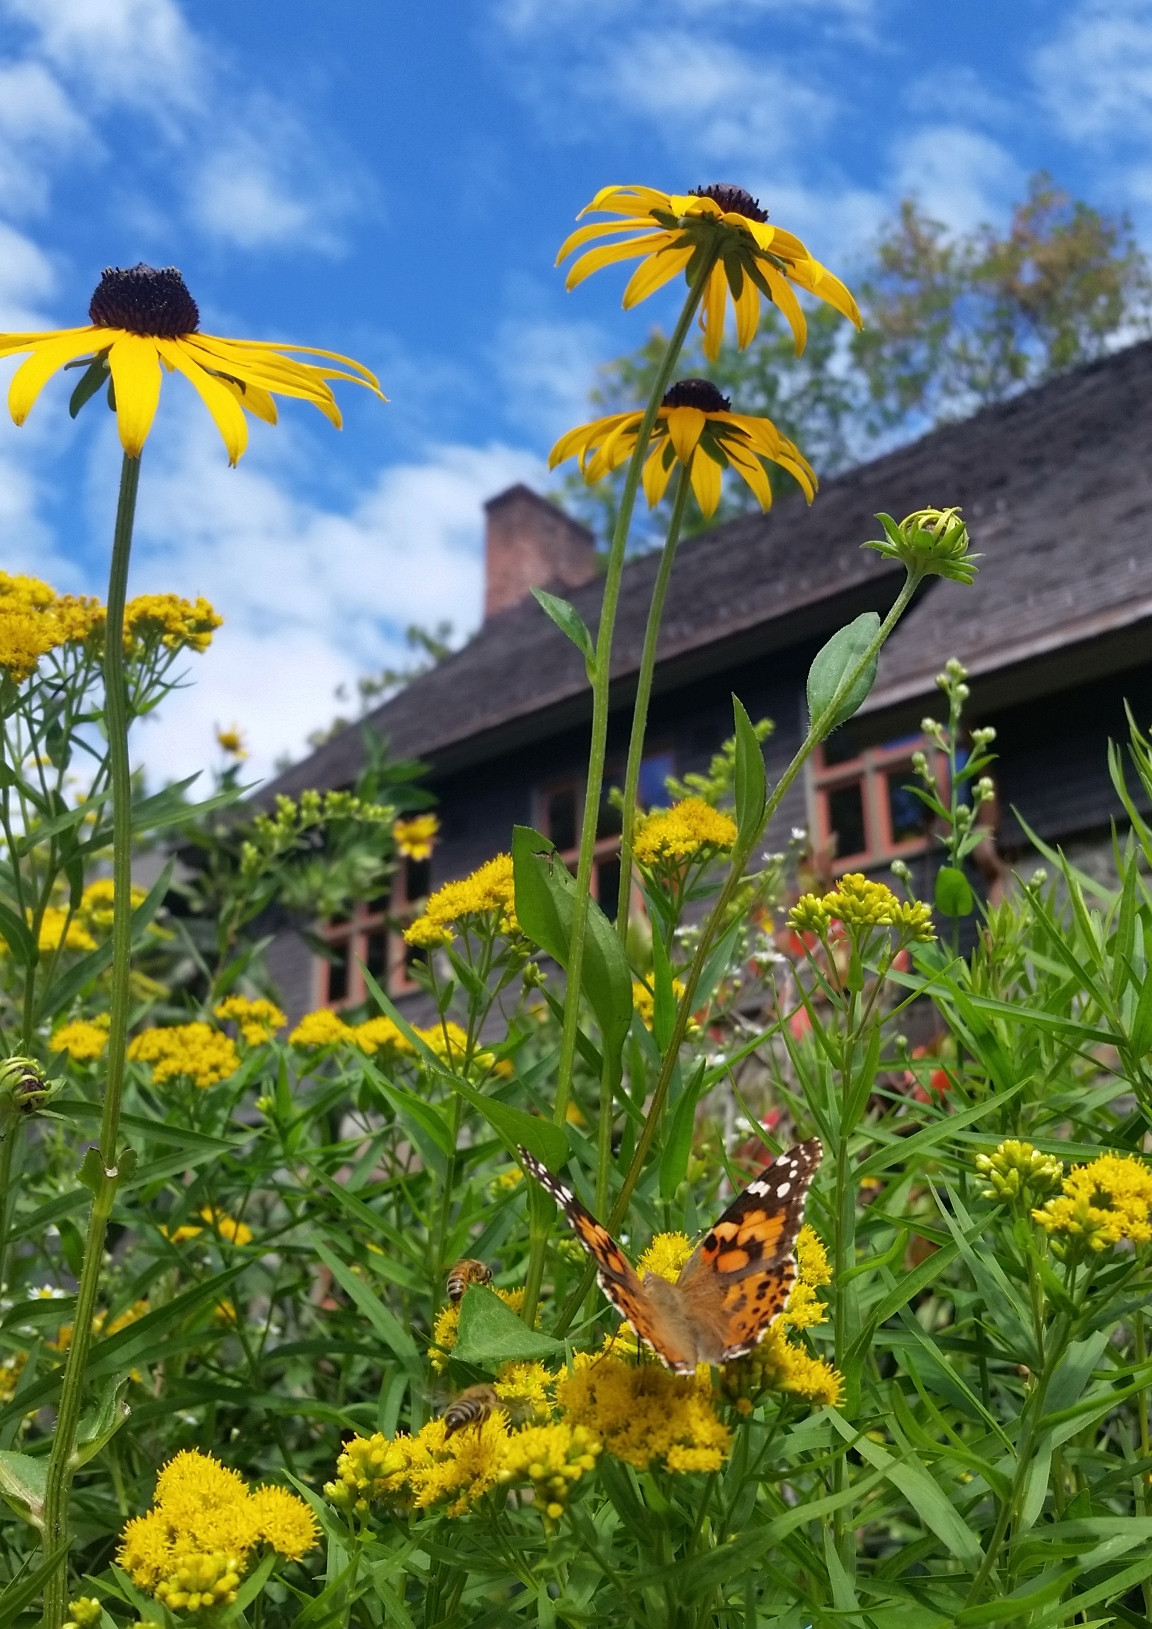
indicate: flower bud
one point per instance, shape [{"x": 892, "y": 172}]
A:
[
  {"x": 24, "y": 1088},
  {"x": 983, "y": 738},
  {"x": 930, "y": 542},
  {"x": 1019, "y": 1174}
]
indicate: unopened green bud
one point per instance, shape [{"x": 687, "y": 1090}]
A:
[
  {"x": 24, "y": 1088},
  {"x": 984, "y": 790},
  {"x": 930, "y": 542},
  {"x": 85, "y": 1611},
  {"x": 983, "y": 738},
  {"x": 1019, "y": 1174}
]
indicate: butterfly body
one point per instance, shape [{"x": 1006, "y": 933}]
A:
[{"x": 736, "y": 1281}]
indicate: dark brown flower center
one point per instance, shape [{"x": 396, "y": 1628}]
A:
[
  {"x": 732, "y": 200},
  {"x": 701, "y": 393},
  {"x": 144, "y": 300}
]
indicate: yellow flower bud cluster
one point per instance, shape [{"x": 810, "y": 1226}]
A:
[
  {"x": 34, "y": 620},
  {"x": 861, "y": 905},
  {"x": 257, "y": 1020},
  {"x": 1102, "y": 1204},
  {"x": 84, "y": 1612},
  {"x": 1019, "y": 1174},
  {"x": 484, "y": 903},
  {"x": 151, "y": 620},
  {"x": 195, "y": 1052},
  {"x": 415, "y": 836},
  {"x": 642, "y": 1412},
  {"x": 551, "y": 1458},
  {"x": 666, "y": 1255},
  {"x": 192, "y": 1548},
  {"x": 277, "y": 834}
]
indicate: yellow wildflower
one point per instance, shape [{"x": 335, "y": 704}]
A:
[
  {"x": 666, "y": 1255},
  {"x": 231, "y": 741},
  {"x": 84, "y": 1039},
  {"x": 181, "y": 1234},
  {"x": 25, "y": 636},
  {"x": 485, "y": 902},
  {"x": 192, "y": 1548},
  {"x": 447, "y": 1325},
  {"x": 811, "y": 1258},
  {"x": 1102, "y": 1203},
  {"x": 35, "y": 620},
  {"x": 101, "y": 1326},
  {"x": 507, "y": 1180},
  {"x": 11, "y": 1368},
  {"x": 322, "y": 1028},
  {"x": 450, "y": 1044},
  {"x": 810, "y": 915},
  {"x": 777, "y": 1365},
  {"x": 525, "y": 1387},
  {"x": 415, "y": 836},
  {"x": 642, "y": 1413},
  {"x": 258, "y": 1020},
  {"x": 552, "y": 1458},
  {"x": 1017, "y": 1172},
  {"x": 96, "y": 904},
  {"x": 644, "y": 1001},
  {"x": 196, "y": 1051},
  {"x": 84, "y": 1612},
  {"x": 690, "y": 830},
  {"x": 285, "y": 1522},
  {"x": 59, "y": 927},
  {"x": 238, "y": 1233},
  {"x": 167, "y": 619},
  {"x": 380, "y": 1035}
]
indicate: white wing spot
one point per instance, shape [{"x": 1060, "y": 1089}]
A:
[
  {"x": 784, "y": 1189},
  {"x": 759, "y": 1188}
]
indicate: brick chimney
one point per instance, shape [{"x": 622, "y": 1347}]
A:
[{"x": 530, "y": 543}]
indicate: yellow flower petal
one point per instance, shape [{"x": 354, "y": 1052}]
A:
[
  {"x": 259, "y": 402},
  {"x": 785, "y": 298},
  {"x": 712, "y": 311},
  {"x": 223, "y": 406},
  {"x": 653, "y": 273},
  {"x": 587, "y": 234},
  {"x": 747, "y": 314},
  {"x": 685, "y": 427},
  {"x": 611, "y": 252},
  {"x": 706, "y": 479},
  {"x": 31, "y": 376},
  {"x": 752, "y": 470},
  {"x": 657, "y": 470},
  {"x": 136, "y": 379}
]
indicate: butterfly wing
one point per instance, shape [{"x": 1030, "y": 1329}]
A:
[{"x": 741, "y": 1274}]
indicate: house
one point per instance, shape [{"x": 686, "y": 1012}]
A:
[{"x": 1056, "y": 486}]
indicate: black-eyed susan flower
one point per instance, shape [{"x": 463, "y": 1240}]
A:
[
  {"x": 724, "y": 225},
  {"x": 695, "y": 427},
  {"x": 145, "y": 322}
]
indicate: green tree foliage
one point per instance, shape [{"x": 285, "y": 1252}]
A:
[{"x": 952, "y": 322}]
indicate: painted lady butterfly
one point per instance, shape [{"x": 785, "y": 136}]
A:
[{"x": 736, "y": 1281}]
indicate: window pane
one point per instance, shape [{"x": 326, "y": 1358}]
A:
[
  {"x": 846, "y": 818},
  {"x": 376, "y": 953},
  {"x": 839, "y": 747},
  {"x": 418, "y": 878},
  {"x": 338, "y": 970},
  {"x": 608, "y": 887},
  {"x": 560, "y": 818},
  {"x": 654, "y": 771},
  {"x": 907, "y": 814}
]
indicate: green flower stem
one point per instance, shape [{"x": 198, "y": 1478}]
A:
[
  {"x": 60, "y": 1468},
  {"x": 7, "y": 1158},
  {"x": 819, "y": 729},
  {"x": 600, "y": 686},
  {"x": 643, "y": 696}
]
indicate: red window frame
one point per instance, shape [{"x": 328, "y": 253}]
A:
[{"x": 870, "y": 770}]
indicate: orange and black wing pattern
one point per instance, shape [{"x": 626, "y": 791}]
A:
[{"x": 615, "y": 1272}]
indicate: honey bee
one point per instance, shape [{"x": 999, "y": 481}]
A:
[
  {"x": 464, "y": 1273},
  {"x": 472, "y": 1407}
]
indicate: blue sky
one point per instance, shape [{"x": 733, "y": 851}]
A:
[{"x": 393, "y": 180}]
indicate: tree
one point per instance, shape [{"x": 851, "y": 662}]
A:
[{"x": 952, "y": 322}]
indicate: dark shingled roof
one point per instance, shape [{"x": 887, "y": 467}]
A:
[{"x": 1057, "y": 489}]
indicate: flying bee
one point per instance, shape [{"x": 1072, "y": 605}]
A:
[
  {"x": 464, "y": 1273},
  {"x": 472, "y": 1407}
]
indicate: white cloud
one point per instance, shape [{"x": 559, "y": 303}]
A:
[
  {"x": 135, "y": 51},
  {"x": 959, "y": 176},
  {"x": 312, "y": 597},
  {"x": 39, "y": 126},
  {"x": 547, "y": 370},
  {"x": 26, "y": 277},
  {"x": 1095, "y": 73}
]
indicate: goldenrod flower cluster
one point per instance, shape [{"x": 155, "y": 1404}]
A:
[
  {"x": 666, "y": 1256},
  {"x": 861, "y": 905},
  {"x": 526, "y": 1388},
  {"x": 231, "y": 741},
  {"x": 84, "y": 1039},
  {"x": 447, "y": 1325},
  {"x": 326, "y": 1028},
  {"x": 278, "y": 833},
  {"x": 101, "y": 1326},
  {"x": 1102, "y": 1203},
  {"x": 777, "y": 1364},
  {"x": 257, "y": 1020},
  {"x": 96, "y": 904},
  {"x": 193, "y": 1547},
  {"x": 196, "y": 1051},
  {"x": 484, "y": 902},
  {"x": 644, "y": 1000},
  {"x": 169, "y": 620},
  {"x": 1017, "y": 1173},
  {"x": 83, "y": 1613},
  {"x": 434, "y": 1468},
  {"x": 238, "y": 1233},
  {"x": 415, "y": 836},
  {"x": 690, "y": 830},
  {"x": 642, "y": 1412},
  {"x": 11, "y": 1368},
  {"x": 61, "y": 929},
  {"x": 34, "y": 620}
]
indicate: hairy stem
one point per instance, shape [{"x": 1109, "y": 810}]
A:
[{"x": 60, "y": 1467}]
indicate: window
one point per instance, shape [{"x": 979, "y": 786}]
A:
[
  {"x": 373, "y": 934},
  {"x": 560, "y": 813},
  {"x": 862, "y": 813}
]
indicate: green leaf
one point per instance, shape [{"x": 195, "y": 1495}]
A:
[
  {"x": 953, "y": 894},
  {"x": 751, "y": 778},
  {"x": 101, "y": 1425},
  {"x": 678, "y": 1137},
  {"x": 385, "y": 1323},
  {"x": 421, "y": 1118},
  {"x": 569, "y": 621},
  {"x": 490, "y": 1333},
  {"x": 546, "y": 890},
  {"x": 833, "y": 665},
  {"x": 925, "y": 1496},
  {"x": 93, "y": 378},
  {"x": 24, "y": 1485},
  {"x": 21, "y": 1592},
  {"x": 515, "y": 1126},
  {"x": 19, "y": 938},
  {"x": 664, "y": 1003}
]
